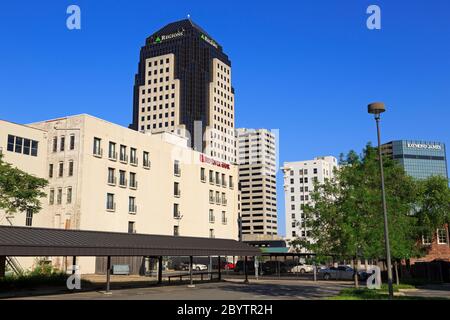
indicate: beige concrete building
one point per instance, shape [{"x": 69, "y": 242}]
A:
[
  {"x": 257, "y": 178},
  {"x": 105, "y": 177},
  {"x": 299, "y": 178}
]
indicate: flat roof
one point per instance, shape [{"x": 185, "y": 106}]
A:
[{"x": 35, "y": 242}]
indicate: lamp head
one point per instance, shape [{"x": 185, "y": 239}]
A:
[{"x": 376, "y": 108}]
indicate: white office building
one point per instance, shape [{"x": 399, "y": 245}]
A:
[{"x": 299, "y": 178}]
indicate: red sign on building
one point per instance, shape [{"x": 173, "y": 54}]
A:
[{"x": 208, "y": 160}]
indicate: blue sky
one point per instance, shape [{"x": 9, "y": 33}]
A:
[{"x": 307, "y": 68}]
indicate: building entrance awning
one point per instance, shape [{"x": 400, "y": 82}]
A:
[{"x": 26, "y": 241}]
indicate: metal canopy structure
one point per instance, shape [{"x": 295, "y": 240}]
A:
[{"x": 26, "y": 241}]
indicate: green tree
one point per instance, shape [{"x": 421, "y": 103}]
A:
[
  {"x": 345, "y": 218},
  {"x": 19, "y": 191},
  {"x": 432, "y": 205}
]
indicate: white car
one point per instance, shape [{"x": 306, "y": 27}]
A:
[
  {"x": 302, "y": 268},
  {"x": 199, "y": 267}
]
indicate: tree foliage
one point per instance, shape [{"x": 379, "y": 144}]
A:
[
  {"x": 345, "y": 217},
  {"x": 19, "y": 191}
]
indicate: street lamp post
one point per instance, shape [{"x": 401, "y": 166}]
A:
[{"x": 377, "y": 108}]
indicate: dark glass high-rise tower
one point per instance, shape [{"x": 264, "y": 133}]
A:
[{"x": 183, "y": 77}]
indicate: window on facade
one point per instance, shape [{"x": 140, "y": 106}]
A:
[
  {"x": 97, "y": 147},
  {"x": 50, "y": 170},
  {"x": 10, "y": 146},
  {"x": 72, "y": 142},
  {"x": 132, "y": 205},
  {"x": 224, "y": 217},
  {"x": 69, "y": 195},
  {"x": 442, "y": 236},
  {"x": 70, "y": 168},
  {"x": 146, "y": 159},
  {"x": 19, "y": 145},
  {"x": 133, "y": 182},
  {"x": 122, "y": 178},
  {"x": 133, "y": 156},
  {"x": 111, "y": 176},
  {"x": 34, "y": 148},
  {"x": 131, "y": 227},
  {"x": 176, "y": 168},
  {"x": 112, "y": 154},
  {"x": 26, "y": 146},
  {"x": 211, "y": 176},
  {"x": 51, "y": 196},
  {"x": 202, "y": 175},
  {"x": 176, "y": 189},
  {"x": 231, "y": 184},
  {"x": 217, "y": 178},
  {"x": 224, "y": 199},
  {"x": 176, "y": 230},
  {"x": 211, "y": 216},
  {"x": 211, "y": 233},
  {"x": 62, "y": 143},
  {"x": 59, "y": 196},
  {"x": 176, "y": 210},
  {"x": 218, "y": 197},
  {"x": 123, "y": 153},
  {"x": 55, "y": 144},
  {"x": 29, "y": 218},
  {"x": 110, "y": 205},
  {"x": 426, "y": 239},
  {"x": 61, "y": 169}
]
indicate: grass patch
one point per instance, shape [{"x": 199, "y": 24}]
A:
[
  {"x": 41, "y": 276},
  {"x": 381, "y": 294},
  {"x": 384, "y": 287}
]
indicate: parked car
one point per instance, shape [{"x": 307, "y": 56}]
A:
[
  {"x": 239, "y": 267},
  {"x": 340, "y": 273},
  {"x": 302, "y": 268},
  {"x": 181, "y": 266},
  {"x": 272, "y": 267},
  {"x": 199, "y": 267},
  {"x": 229, "y": 266}
]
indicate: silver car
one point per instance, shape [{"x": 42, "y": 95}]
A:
[{"x": 340, "y": 273}]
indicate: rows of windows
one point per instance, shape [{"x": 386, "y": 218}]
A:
[
  {"x": 60, "y": 169},
  {"x": 160, "y": 107},
  {"x": 123, "y": 181},
  {"x": 176, "y": 231},
  {"x": 22, "y": 145},
  {"x": 212, "y": 217},
  {"x": 111, "y": 203},
  {"x": 62, "y": 143},
  {"x": 56, "y": 196},
  {"x": 217, "y": 178},
  {"x": 219, "y": 198},
  {"x": 440, "y": 235},
  {"x": 124, "y": 156}
]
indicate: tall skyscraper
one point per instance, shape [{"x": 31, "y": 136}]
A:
[
  {"x": 257, "y": 180},
  {"x": 184, "y": 78},
  {"x": 299, "y": 180},
  {"x": 420, "y": 159}
]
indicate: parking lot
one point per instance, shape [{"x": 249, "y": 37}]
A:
[{"x": 230, "y": 289}]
